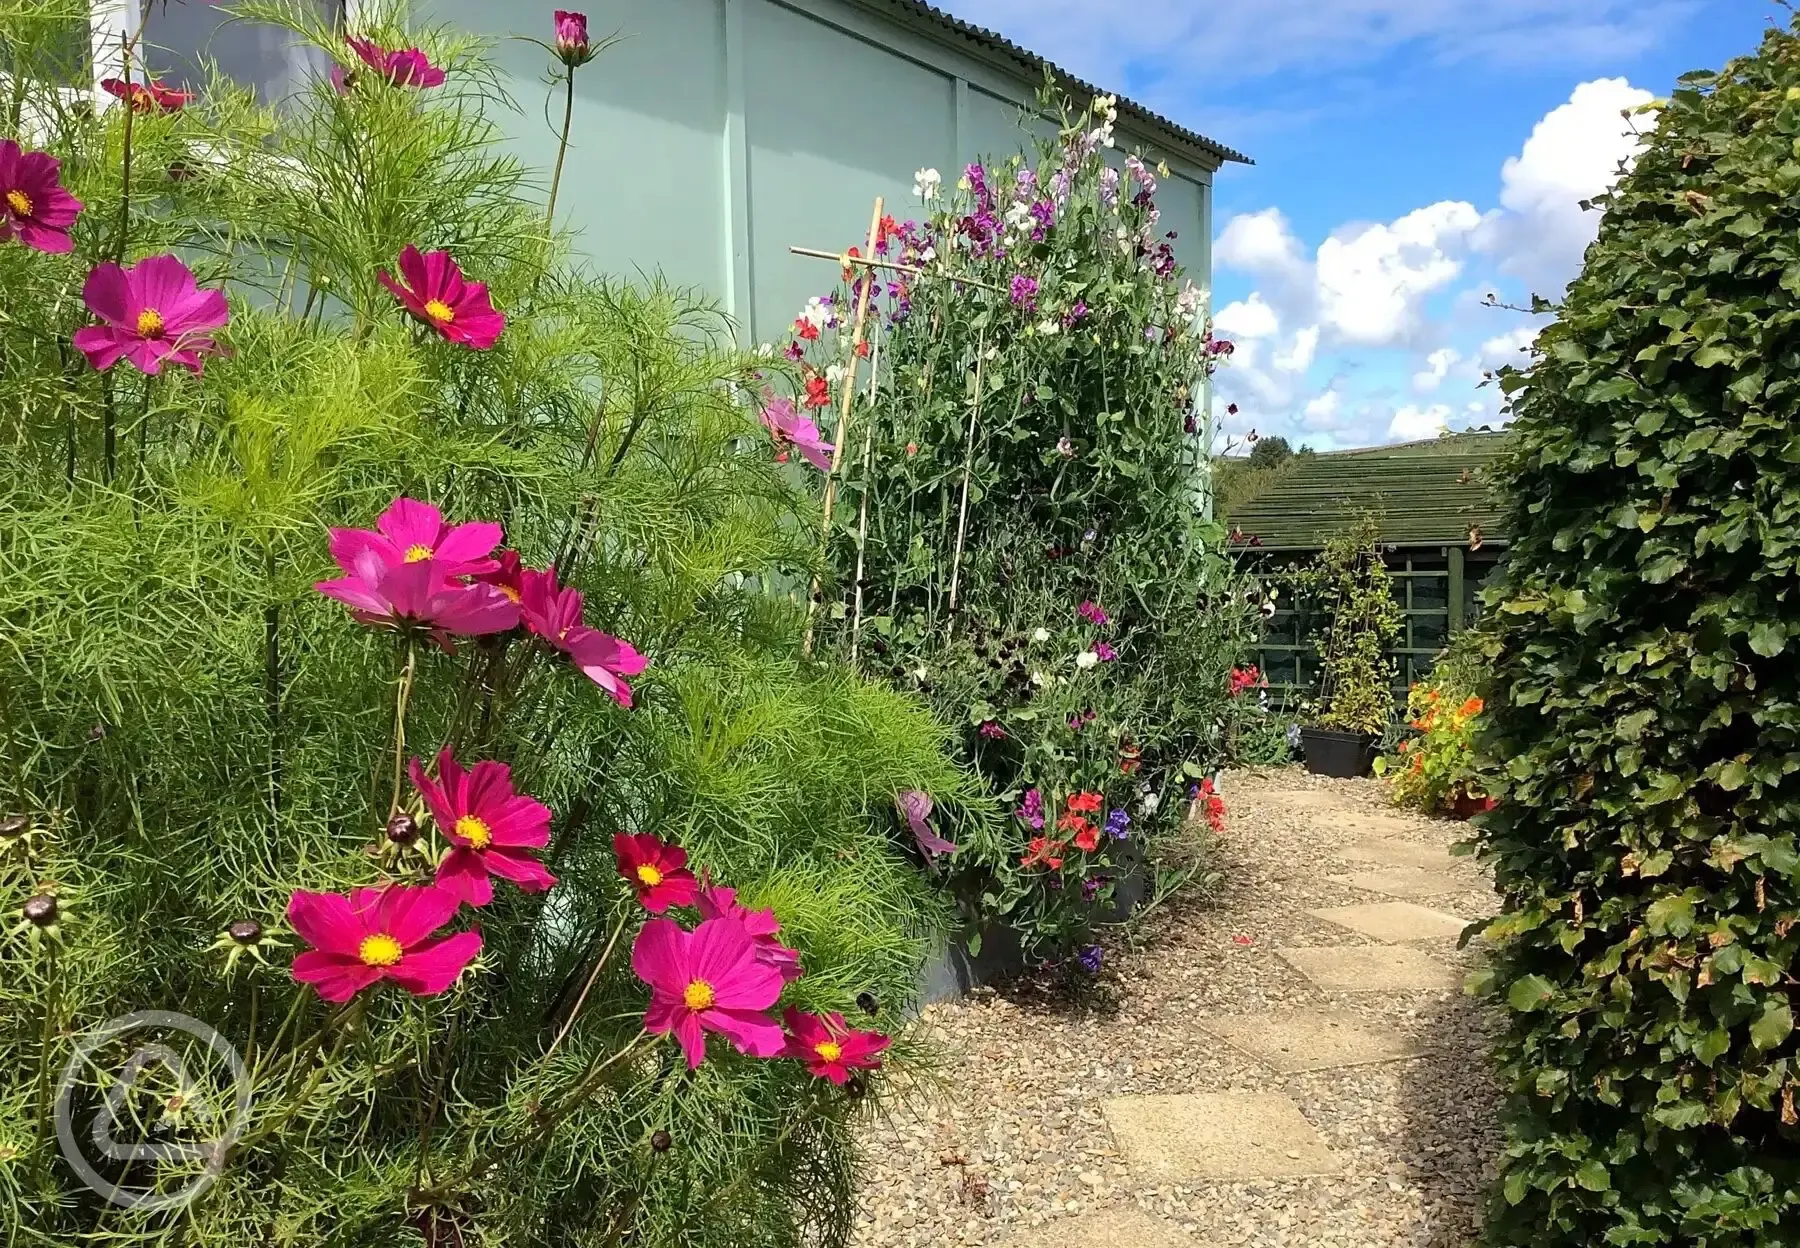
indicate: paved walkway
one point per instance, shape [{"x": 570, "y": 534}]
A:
[{"x": 1291, "y": 1064}]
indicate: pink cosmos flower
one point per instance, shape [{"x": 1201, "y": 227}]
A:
[
  {"x": 405, "y": 67},
  {"x": 760, "y": 925},
  {"x": 419, "y": 594},
  {"x": 709, "y": 979},
  {"x": 788, "y": 426},
  {"x": 34, "y": 207},
  {"x": 151, "y": 313},
  {"x": 376, "y": 934},
  {"x": 507, "y": 576},
  {"x": 554, "y": 613},
  {"x": 434, "y": 291},
  {"x": 573, "y": 47},
  {"x": 657, "y": 870},
  {"x": 830, "y": 1049},
  {"x": 410, "y": 531},
  {"x": 145, "y": 98},
  {"x": 489, "y": 825},
  {"x": 915, "y": 807}
]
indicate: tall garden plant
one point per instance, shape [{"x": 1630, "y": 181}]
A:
[
  {"x": 1645, "y": 702},
  {"x": 389, "y": 689},
  {"x": 1021, "y": 533}
]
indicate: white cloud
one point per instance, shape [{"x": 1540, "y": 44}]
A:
[
  {"x": 1373, "y": 279},
  {"x": 1572, "y": 154},
  {"x": 1264, "y": 244},
  {"x": 1299, "y": 357},
  {"x": 1322, "y": 411},
  {"x": 1437, "y": 367},
  {"x": 1411, "y": 423},
  {"x": 1247, "y": 318},
  {"x": 1506, "y": 348}
]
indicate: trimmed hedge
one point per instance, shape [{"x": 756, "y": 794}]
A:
[{"x": 1645, "y": 702}]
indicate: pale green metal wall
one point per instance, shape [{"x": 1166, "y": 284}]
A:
[{"x": 722, "y": 131}]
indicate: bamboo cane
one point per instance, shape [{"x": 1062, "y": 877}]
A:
[
  {"x": 867, "y": 262},
  {"x": 843, "y": 427},
  {"x": 962, "y": 518},
  {"x": 862, "y": 522}
]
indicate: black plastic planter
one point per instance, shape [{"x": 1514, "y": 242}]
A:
[{"x": 1345, "y": 755}]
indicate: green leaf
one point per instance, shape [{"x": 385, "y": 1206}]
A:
[
  {"x": 1671, "y": 916},
  {"x": 1772, "y": 1026},
  {"x": 1530, "y": 993},
  {"x": 1593, "y": 1175},
  {"x": 1768, "y": 639}
]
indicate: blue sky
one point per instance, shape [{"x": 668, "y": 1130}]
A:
[{"x": 1412, "y": 156}]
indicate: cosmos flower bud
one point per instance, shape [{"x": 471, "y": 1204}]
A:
[
  {"x": 245, "y": 931},
  {"x": 402, "y": 829},
  {"x": 662, "y": 1142},
  {"x": 573, "y": 47},
  {"x": 11, "y": 826},
  {"x": 42, "y": 910}
]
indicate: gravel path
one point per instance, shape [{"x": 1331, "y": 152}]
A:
[{"x": 1024, "y": 1142}]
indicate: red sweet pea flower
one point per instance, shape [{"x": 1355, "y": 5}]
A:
[
  {"x": 153, "y": 97},
  {"x": 709, "y": 979},
  {"x": 1212, "y": 806},
  {"x": 376, "y": 934},
  {"x": 151, "y": 314},
  {"x": 1043, "y": 852},
  {"x": 34, "y": 207},
  {"x": 404, "y": 67},
  {"x": 1086, "y": 803},
  {"x": 436, "y": 293},
  {"x": 658, "y": 871},
  {"x": 830, "y": 1049},
  {"x": 818, "y": 392},
  {"x": 806, "y": 329},
  {"x": 1243, "y": 678},
  {"x": 489, "y": 826},
  {"x": 554, "y": 613}
]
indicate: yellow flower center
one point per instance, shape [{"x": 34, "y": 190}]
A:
[
  {"x": 475, "y": 831},
  {"x": 380, "y": 950},
  {"x": 651, "y": 877},
  {"x": 149, "y": 323},
  {"x": 19, "y": 202},
  {"x": 438, "y": 310},
  {"x": 415, "y": 554},
  {"x": 698, "y": 996},
  {"x": 508, "y": 592},
  {"x": 829, "y": 1050}
]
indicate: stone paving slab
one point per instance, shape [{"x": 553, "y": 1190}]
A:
[
  {"x": 1127, "y": 1227},
  {"x": 1372, "y": 968},
  {"x": 1294, "y": 1041},
  {"x": 1392, "y": 853},
  {"x": 1373, "y": 824},
  {"x": 1395, "y": 922},
  {"x": 1410, "y": 883},
  {"x": 1218, "y": 1135}
]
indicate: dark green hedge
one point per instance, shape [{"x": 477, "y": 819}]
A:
[{"x": 1645, "y": 708}]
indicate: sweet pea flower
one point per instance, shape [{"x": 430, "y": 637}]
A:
[
  {"x": 418, "y": 594},
  {"x": 1024, "y": 291},
  {"x": 436, "y": 293},
  {"x": 829, "y": 1047},
  {"x": 489, "y": 827},
  {"x": 152, "y": 313},
  {"x": 147, "y": 97},
  {"x": 1042, "y": 851},
  {"x": 555, "y": 614},
  {"x": 403, "y": 67},
  {"x": 709, "y": 979},
  {"x": 1031, "y": 810},
  {"x": 656, "y": 870},
  {"x": 789, "y": 427},
  {"x": 1104, "y": 652},
  {"x": 34, "y": 207},
  {"x": 573, "y": 47},
  {"x": 1093, "y": 613},
  {"x": 915, "y": 807},
  {"x": 760, "y": 925},
  {"x": 410, "y": 531},
  {"x": 377, "y": 934},
  {"x": 818, "y": 392}
]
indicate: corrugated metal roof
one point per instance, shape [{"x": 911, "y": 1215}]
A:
[
  {"x": 1425, "y": 494},
  {"x": 1035, "y": 65}
]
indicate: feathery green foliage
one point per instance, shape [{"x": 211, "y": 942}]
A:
[{"x": 191, "y": 732}]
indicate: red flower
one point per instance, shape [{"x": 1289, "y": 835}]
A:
[
  {"x": 376, "y": 934},
  {"x": 818, "y": 392},
  {"x": 1243, "y": 678},
  {"x": 1043, "y": 852},
  {"x": 855, "y": 253},
  {"x": 1088, "y": 839},
  {"x": 435, "y": 293},
  {"x": 806, "y": 329},
  {"x": 1086, "y": 803},
  {"x": 862, "y": 349},
  {"x": 830, "y": 1049},
  {"x": 1212, "y": 806},
  {"x": 658, "y": 871},
  {"x": 153, "y": 97}
]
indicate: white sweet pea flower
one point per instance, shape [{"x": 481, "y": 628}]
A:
[
  {"x": 1150, "y": 803},
  {"x": 1086, "y": 659},
  {"x": 836, "y": 373},
  {"x": 816, "y": 313},
  {"x": 928, "y": 255},
  {"x": 1049, "y": 327},
  {"x": 1042, "y": 634},
  {"x": 919, "y": 672},
  {"x": 765, "y": 350},
  {"x": 927, "y": 183}
]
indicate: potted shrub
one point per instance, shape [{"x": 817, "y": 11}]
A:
[{"x": 1349, "y": 586}]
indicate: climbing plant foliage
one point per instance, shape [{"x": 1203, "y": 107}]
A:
[{"x": 1644, "y": 731}]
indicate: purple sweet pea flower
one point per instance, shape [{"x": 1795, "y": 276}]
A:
[
  {"x": 1090, "y": 959},
  {"x": 915, "y": 807},
  {"x": 1116, "y": 823},
  {"x": 1076, "y": 314},
  {"x": 1031, "y": 810},
  {"x": 1105, "y": 652},
  {"x": 1109, "y": 186},
  {"x": 1024, "y": 292}
]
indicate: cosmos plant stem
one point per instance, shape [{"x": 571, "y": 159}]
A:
[
  {"x": 562, "y": 147},
  {"x": 593, "y": 975},
  {"x": 402, "y": 696}
]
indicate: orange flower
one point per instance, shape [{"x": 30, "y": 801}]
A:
[
  {"x": 1472, "y": 707},
  {"x": 1406, "y": 746}
]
